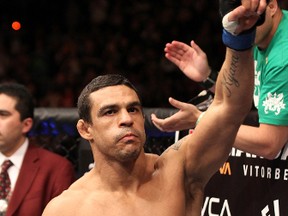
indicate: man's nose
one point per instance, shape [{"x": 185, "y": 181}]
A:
[{"x": 125, "y": 119}]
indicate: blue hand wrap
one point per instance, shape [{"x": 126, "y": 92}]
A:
[{"x": 239, "y": 42}]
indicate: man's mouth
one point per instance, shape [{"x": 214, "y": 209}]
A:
[{"x": 128, "y": 137}]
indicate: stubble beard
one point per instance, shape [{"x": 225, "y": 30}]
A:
[{"x": 125, "y": 155}]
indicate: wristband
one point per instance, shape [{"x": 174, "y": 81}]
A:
[
  {"x": 211, "y": 80},
  {"x": 239, "y": 42}
]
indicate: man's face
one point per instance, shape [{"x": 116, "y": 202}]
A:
[
  {"x": 117, "y": 127},
  {"x": 11, "y": 127}
]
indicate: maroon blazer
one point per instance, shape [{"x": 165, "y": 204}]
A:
[{"x": 43, "y": 175}]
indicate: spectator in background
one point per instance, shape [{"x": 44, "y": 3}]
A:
[{"x": 35, "y": 175}]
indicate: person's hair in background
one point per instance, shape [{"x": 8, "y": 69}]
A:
[{"x": 24, "y": 100}]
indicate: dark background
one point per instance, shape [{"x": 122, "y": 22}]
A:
[{"x": 63, "y": 44}]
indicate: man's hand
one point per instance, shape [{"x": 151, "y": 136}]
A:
[
  {"x": 241, "y": 21},
  {"x": 244, "y": 15},
  {"x": 191, "y": 60},
  {"x": 184, "y": 119}
]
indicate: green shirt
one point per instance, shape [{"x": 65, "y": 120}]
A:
[{"x": 271, "y": 78}]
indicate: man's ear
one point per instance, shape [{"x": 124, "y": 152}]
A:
[
  {"x": 27, "y": 125},
  {"x": 273, "y": 6},
  {"x": 83, "y": 129}
]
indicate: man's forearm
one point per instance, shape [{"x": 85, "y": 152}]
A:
[
  {"x": 235, "y": 82},
  {"x": 265, "y": 141}
]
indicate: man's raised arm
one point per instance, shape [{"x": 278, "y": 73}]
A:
[{"x": 212, "y": 140}]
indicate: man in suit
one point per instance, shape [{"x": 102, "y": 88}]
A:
[{"x": 36, "y": 175}]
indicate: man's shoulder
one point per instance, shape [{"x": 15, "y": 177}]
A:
[{"x": 64, "y": 204}]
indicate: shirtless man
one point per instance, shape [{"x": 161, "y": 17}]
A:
[{"x": 126, "y": 181}]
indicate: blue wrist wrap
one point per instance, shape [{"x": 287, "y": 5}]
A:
[{"x": 238, "y": 42}]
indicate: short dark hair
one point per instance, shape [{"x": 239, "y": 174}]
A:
[
  {"x": 24, "y": 100},
  {"x": 84, "y": 104}
]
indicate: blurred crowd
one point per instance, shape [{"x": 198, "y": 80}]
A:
[{"x": 63, "y": 44}]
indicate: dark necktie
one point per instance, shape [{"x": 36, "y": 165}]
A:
[{"x": 5, "y": 184}]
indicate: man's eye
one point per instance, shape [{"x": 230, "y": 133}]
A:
[
  {"x": 132, "y": 109},
  {"x": 110, "y": 112},
  {"x": 4, "y": 114}
]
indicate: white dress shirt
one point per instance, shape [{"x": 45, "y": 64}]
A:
[{"x": 16, "y": 159}]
